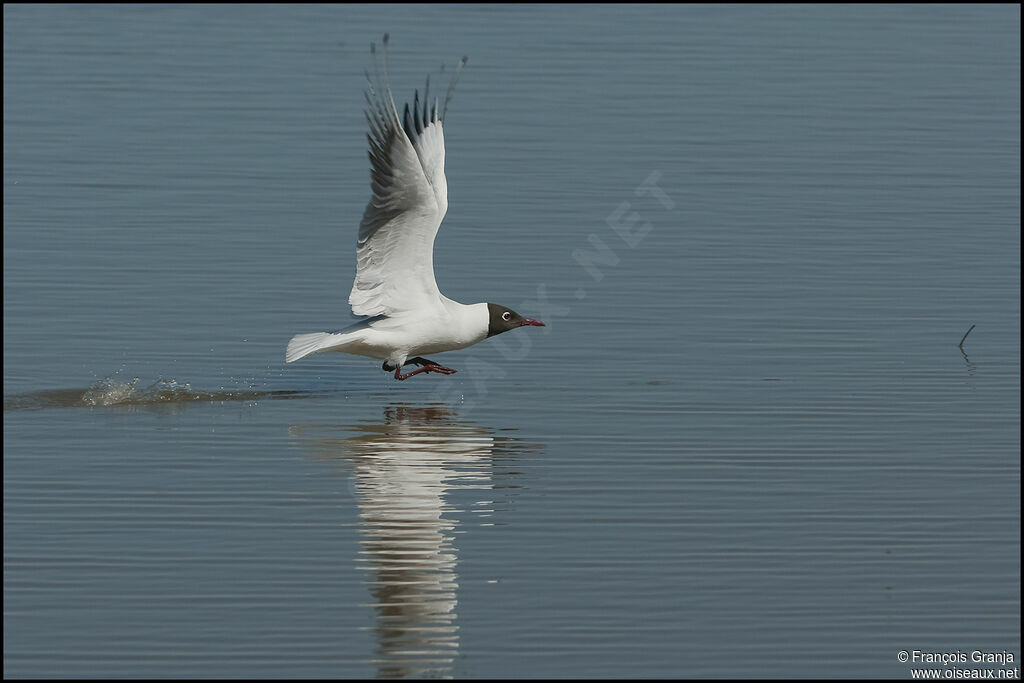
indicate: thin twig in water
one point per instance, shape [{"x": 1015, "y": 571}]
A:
[{"x": 965, "y": 337}]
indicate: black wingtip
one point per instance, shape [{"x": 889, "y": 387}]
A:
[{"x": 417, "y": 114}]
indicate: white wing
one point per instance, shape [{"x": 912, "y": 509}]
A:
[{"x": 395, "y": 251}]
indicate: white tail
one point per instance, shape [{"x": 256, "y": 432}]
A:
[{"x": 303, "y": 345}]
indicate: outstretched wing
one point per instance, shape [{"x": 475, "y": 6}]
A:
[{"x": 395, "y": 251}]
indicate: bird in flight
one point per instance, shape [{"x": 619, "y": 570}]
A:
[{"x": 405, "y": 315}]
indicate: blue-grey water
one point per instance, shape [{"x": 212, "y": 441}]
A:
[{"x": 746, "y": 444}]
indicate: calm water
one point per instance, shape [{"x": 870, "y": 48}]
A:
[{"x": 747, "y": 443}]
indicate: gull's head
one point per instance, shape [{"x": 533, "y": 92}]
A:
[{"x": 503, "y": 319}]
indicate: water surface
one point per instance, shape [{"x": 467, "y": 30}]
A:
[{"x": 746, "y": 444}]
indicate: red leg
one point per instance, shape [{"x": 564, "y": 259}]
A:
[{"x": 427, "y": 366}]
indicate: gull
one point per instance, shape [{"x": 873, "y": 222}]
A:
[{"x": 405, "y": 316}]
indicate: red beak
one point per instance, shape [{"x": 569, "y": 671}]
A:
[{"x": 531, "y": 321}]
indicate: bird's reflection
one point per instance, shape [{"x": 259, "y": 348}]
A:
[{"x": 405, "y": 470}]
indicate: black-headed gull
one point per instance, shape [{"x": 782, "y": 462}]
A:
[{"x": 407, "y": 317}]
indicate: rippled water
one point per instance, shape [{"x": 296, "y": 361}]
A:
[{"x": 746, "y": 444}]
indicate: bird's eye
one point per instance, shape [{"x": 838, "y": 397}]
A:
[{"x": 506, "y": 316}]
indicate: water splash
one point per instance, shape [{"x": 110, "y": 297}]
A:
[{"x": 117, "y": 392}]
